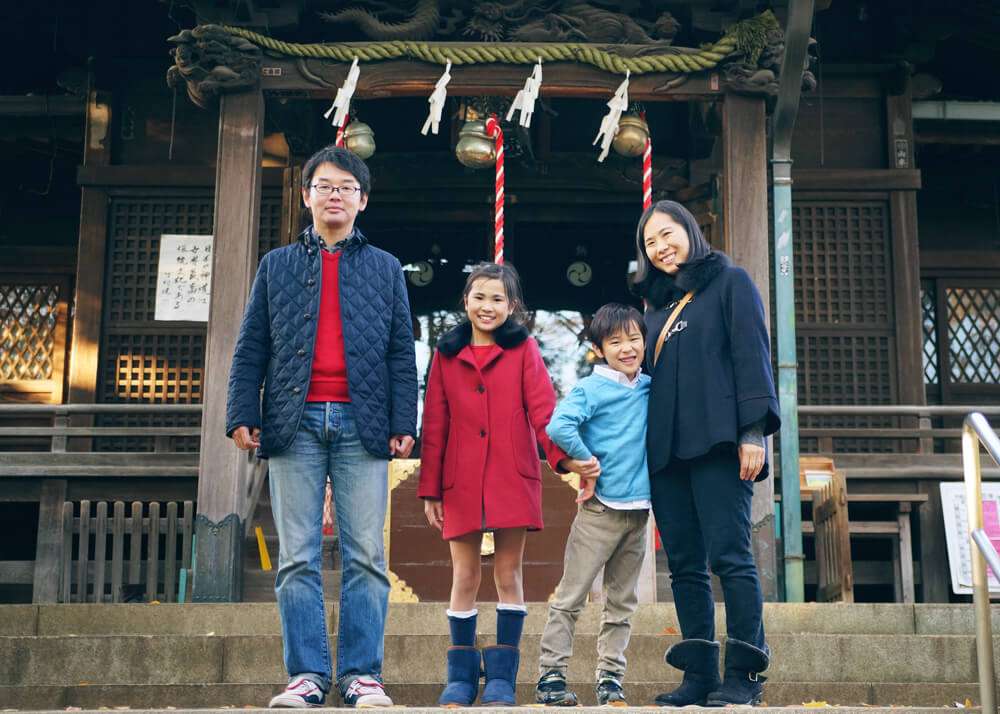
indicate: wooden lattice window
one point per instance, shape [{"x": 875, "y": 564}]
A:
[
  {"x": 961, "y": 318},
  {"x": 929, "y": 328},
  {"x": 973, "y": 335},
  {"x": 33, "y": 314}
]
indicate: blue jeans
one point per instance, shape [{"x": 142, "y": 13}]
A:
[
  {"x": 702, "y": 511},
  {"x": 327, "y": 442}
]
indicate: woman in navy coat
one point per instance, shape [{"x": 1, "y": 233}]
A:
[{"x": 711, "y": 404}]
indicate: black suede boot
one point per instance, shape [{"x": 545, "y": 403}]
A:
[
  {"x": 699, "y": 660},
  {"x": 743, "y": 685}
]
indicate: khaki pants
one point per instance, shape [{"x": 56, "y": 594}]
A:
[{"x": 601, "y": 537}]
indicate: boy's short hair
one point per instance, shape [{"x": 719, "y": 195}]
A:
[{"x": 611, "y": 319}]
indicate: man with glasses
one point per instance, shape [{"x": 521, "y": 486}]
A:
[{"x": 327, "y": 333}]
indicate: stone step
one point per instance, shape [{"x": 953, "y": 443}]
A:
[
  {"x": 429, "y": 618},
  {"x": 581, "y": 710},
  {"x": 413, "y": 659},
  {"x": 783, "y": 694},
  {"x": 258, "y": 585}
]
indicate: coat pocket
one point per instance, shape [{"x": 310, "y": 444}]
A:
[
  {"x": 450, "y": 465},
  {"x": 524, "y": 446}
]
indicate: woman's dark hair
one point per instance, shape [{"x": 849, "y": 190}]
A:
[
  {"x": 342, "y": 159},
  {"x": 699, "y": 246},
  {"x": 507, "y": 275},
  {"x": 611, "y": 319}
]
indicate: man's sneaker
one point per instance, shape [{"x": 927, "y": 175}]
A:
[
  {"x": 609, "y": 690},
  {"x": 366, "y": 693},
  {"x": 551, "y": 690},
  {"x": 300, "y": 693}
]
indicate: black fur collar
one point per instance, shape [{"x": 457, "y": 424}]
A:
[
  {"x": 660, "y": 289},
  {"x": 509, "y": 334}
]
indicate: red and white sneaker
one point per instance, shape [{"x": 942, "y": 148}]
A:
[
  {"x": 300, "y": 693},
  {"x": 366, "y": 693}
]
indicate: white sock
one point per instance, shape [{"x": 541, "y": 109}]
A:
[
  {"x": 463, "y": 614},
  {"x": 511, "y": 608}
]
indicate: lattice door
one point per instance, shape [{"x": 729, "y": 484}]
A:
[
  {"x": 143, "y": 360},
  {"x": 844, "y": 312}
]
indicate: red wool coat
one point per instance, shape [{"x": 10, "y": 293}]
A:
[{"x": 482, "y": 427}]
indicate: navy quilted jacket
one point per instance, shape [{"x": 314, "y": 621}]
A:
[{"x": 277, "y": 338}]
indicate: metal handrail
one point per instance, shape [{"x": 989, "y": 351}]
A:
[{"x": 975, "y": 431}]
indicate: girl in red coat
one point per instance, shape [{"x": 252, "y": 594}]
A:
[{"x": 488, "y": 402}]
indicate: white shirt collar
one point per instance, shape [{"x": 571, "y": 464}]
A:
[{"x": 602, "y": 370}]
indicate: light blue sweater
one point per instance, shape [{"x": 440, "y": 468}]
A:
[{"x": 606, "y": 419}]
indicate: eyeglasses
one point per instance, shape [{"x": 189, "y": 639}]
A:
[{"x": 325, "y": 189}]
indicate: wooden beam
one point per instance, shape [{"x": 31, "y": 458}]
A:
[
  {"x": 129, "y": 175},
  {"x": 234, "y": 261},
  {"x": 746, "y": 239},
  {"x": 856, "y": 179},
  {"x": 412, "y": 78},
  {"x": 64, "y": 105}
]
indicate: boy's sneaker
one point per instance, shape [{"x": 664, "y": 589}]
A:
[
  {"x": 366, "y": 693},
  {"x": 609, "y": 690},
  {"x": 300, "y": 693},
  {"x": 551, "y": 690}
]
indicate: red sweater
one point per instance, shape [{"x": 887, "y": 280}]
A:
[{"x": 329, "y": 368}]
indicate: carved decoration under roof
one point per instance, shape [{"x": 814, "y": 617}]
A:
[
  {"x": 209, "y": 61},
  {"x": 216, "y": 58}
]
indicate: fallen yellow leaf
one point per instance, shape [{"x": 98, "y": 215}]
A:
[
  {"x": 813, "y": 704},
  {"x": 669, "y": 631}
]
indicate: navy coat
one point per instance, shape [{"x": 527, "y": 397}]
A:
[
  {"x": 278, "y": 335},
  {"x": 714, "y": 377}
]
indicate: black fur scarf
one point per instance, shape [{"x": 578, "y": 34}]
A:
[
  {"x": 510, "y": 334},
  {"x": 661, "y": 289}
]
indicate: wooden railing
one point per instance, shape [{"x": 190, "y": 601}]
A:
[
  {"x": 133, "y": 574},
  {"x": 67, "y": 452},
  {"x": 920, "y": 429}
]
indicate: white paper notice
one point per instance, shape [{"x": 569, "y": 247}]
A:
[
  {"x": 184, "y": 278},
  {"x": 956, "y": 530}
]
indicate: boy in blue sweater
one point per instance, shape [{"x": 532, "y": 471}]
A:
[{"x": 602, "y": 421}]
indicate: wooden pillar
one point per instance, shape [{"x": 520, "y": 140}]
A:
[
  {"x": 935, "y": 578},
  {"x": 222, "y": 468},
  {"x": 84, "y": 366},
  {"x": 744, "y": 207}
]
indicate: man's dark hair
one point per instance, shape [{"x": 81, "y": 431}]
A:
[
  {"x": 612, "y": 319},
  {"x": 342, "y": 159}
]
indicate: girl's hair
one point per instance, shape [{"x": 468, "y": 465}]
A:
[
  {"x": 699, "y": 246},
  {"x": 507, "y": 275}
]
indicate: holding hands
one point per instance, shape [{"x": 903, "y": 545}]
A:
[{"x": 589, "y": 470}]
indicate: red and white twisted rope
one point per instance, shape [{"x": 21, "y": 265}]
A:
[
  {"x": 647, "y": 170},
  {"x": 341, "y": 129},
  {"x": 494, "y": 130}
]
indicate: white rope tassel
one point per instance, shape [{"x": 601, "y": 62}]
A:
[
  {"x": 342, "y": 102},
  {"x": 436, "y": 100},
  {"x": 609, "y": 124},
  {"x": 525, "y": 99}
]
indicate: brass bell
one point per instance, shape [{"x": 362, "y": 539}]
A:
[
  {"x": 359, "y": 139},
  {"x": 631, "y": 137},
  {"x": 475, "y": 147}
]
